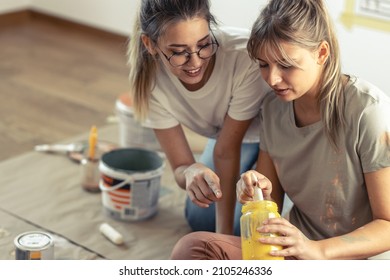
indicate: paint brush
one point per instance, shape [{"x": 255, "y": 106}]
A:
[
  {"x": 258, "y": 192},
  {"x": 92, "y": 141}
]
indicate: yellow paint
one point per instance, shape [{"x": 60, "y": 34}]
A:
[
  {"x": 92, "y": 142},
  {"x": 254, "y": 213},
  {"x": 349, "y": 18},
  {"x": 252, "y": 249}
]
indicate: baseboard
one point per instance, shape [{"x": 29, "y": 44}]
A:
[{"x": 28, "y": 15}]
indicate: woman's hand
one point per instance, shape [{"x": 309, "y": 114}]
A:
[
  {"x": 202, "y": 185},
  {"x": 295, "y": 244},
  {"x": 245, "y": 186}
]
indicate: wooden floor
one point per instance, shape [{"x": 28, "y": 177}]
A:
[{"x": 57, "y": 79}]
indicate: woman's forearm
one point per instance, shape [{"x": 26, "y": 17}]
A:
[
  {"x": 180, "y": 177},
  {"x": 227, "y": 169},
  {"x": 367, "y": 241}
]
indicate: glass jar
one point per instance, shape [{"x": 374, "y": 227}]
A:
[{"x": 253, "y": 215}]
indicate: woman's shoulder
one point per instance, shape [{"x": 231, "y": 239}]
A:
[
  {"x": 364, "y": 101},
  {"x": 232, "y": 38},
  {"x": 233, "y": 31},
  {"x": 360, "y": 91}
]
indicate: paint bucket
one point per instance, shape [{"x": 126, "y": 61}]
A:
[
  {"x": 34, "y": 245},
  {"x": 131, "y": 132},
  {"x": 130, "y": 183}
]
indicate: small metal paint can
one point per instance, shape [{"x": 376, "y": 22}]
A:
[{"x": 34, "y": 245}]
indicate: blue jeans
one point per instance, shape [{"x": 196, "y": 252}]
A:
[{"x": 203, "y": 219}]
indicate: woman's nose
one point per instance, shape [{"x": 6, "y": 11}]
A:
[
  {"x": 274, "y": 76},
  {"x": 195, "y": 60}
]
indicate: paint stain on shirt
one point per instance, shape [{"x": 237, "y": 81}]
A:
[{"x": 385, "y": 139}]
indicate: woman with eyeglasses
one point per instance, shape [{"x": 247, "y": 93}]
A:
[{"x": 187, "y": 71}]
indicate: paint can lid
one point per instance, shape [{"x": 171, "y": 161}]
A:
[{"x": 34, "y": 241}]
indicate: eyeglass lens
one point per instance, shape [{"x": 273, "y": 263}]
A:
[{"x": 204, "y": 53}]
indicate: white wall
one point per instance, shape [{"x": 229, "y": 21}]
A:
[
  {"x": 111, "y": 15},
  {"x": 7, "y": 6},
  {"x": 118, "y": 15},
  {"x": 364, "y": 50},
  {"x": 237, "y": 13}
]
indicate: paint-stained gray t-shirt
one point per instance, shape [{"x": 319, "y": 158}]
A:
[{"x": 327, "y": 187}]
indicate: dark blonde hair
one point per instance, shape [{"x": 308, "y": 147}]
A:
[
  {"x": 305, "y": 23},
  {"x": 153, "y": 19}
]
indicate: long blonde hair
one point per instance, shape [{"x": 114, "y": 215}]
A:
[
  {"x": 153, "y": 19},
  {"x": 305, "y": 23}
]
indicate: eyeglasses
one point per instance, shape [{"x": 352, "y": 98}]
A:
[{"x": 181, "y": 58}]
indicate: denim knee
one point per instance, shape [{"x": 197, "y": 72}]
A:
[
  {"x": 198, "y": 218},
  {"x": 203, "y": 219}
]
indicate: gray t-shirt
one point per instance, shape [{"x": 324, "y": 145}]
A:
[{"x": 327, "y": 187}]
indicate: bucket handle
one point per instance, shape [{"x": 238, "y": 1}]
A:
[{"x": 129, "y": 180}]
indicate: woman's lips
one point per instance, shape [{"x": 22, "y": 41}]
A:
[
  {"x": 193, "y": 72},
  {"x": 279, "y": 91}
]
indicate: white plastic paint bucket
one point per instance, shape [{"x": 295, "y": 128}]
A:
[
  {"x": 130, "y": 183},
  {"x": 131, "y": 132}
]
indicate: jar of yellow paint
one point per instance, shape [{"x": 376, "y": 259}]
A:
[{"x": 253, "y": 215}]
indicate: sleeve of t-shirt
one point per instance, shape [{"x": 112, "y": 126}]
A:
[
  {"x": 374, "y": 137},
  {"x": 248, "y": 92},
  {"x": 158, "y": 117}
]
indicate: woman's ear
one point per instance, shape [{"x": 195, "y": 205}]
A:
[
  {"x": 148, "y": 43},
  {"x": 323, "y": 53}
]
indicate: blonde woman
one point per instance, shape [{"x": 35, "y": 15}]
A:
[
  {"x": 185, "y": 70},
  {"x": 327, "y": 145}
]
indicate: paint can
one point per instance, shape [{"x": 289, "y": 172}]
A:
[
  {"x": 131, "y": 132},
  {"x": 130, "y": 183},
  {"x": 34, "y": 245}
]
